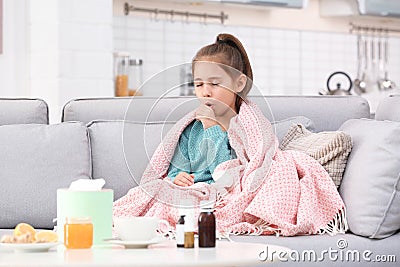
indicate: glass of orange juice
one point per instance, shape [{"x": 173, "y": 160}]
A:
[{"x": 78, "y": 232}]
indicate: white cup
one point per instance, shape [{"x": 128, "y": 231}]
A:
[{"x": 136, "y": 228}]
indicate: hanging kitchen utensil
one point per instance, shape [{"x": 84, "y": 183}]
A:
[
  {"x": 385, "y": 83},
  {"x": 381, "y": 63},
  {"x": 366, "y": 76},
  {"x": 338, "y": 90},
  {"x": 373, "y": 69},
  {"x": 359, "y": 84}
]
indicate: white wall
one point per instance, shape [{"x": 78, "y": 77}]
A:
[
  {"x": 14, "y": 61},
  {"x": 57, "y": 50},
  {"x": 70, "y": 51},
  {"x": 85, "y": 49}
]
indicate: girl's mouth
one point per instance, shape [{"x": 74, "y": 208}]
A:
[{"x": 208, "y": 104}]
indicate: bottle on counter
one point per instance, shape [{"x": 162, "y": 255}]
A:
[
  {"x": 135, "y": 78},
  {"x": 206, "y": 223},
  {"x": 121, "y": 68},
  {"x": 189, "y": 231},
  {"x": 180, "y": 232}
]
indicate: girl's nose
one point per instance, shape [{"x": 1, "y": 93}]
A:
[{"x": 207, "y": 90}]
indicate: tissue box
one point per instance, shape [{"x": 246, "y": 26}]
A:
[{"x": 96, "y": 204}]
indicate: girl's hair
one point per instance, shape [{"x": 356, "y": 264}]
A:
[{"x": 229, "y": 51}]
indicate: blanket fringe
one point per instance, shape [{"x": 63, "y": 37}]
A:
[
  {"x": 168, "y": 233},
  {"x": 260, "y": 227},
  {"x": 223, "y": 235},
  {"x": 338, "y": 225},
  {"x": 220, "y": 201}
]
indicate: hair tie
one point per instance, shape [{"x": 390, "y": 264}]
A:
[{"x": 224, "y": 41}]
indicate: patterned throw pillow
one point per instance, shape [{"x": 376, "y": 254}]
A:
[{"x": 331, "y": 149}]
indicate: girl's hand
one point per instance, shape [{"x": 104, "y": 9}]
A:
[
  {"x": 184, "y": 179},
  {"x": 206, "y": 115}
]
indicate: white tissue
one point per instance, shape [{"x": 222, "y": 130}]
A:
[{"x": 87, "y": 184}]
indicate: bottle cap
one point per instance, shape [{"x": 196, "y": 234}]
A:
[
  {"x": 121, "y": 54},
  {"x": 207, "y": 204},
  {"x": 78, "y": 220},
  {"x": 135, "y": 62}
]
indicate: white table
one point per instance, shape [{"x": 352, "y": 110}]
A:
[{"x": 163, "y": 254}]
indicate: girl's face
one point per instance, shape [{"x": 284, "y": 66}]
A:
[{"x": 215, "y": 87}]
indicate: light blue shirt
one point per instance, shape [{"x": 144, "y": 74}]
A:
[{"x": 200, "y": 151}]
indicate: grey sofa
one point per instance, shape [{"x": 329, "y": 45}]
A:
[{"x": 113, "y": 138}]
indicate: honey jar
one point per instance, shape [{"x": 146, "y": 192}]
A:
[
  {"x": 78, "y": 232},
  {"x": 121, "y": 72}
]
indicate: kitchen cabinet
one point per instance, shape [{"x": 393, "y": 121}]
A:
[
  {"x": 387, "y": 8},
  {"x": 274, "y": 3}
]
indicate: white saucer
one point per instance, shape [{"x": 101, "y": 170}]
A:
[
  {"x": 29, "y": 247},
  {"x": 136, "y": 244}
]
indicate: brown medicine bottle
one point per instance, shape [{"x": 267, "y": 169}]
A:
[{"x": 206, "y": 224}]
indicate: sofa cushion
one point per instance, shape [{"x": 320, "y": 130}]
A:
[
  {"x": 326, "y": 112},
  {"x": 283, "y": 126},
  {"x": 36, "y": 160},
  {"x": 121, "y": 151},
  {"x": 370, "y": 186},
  {"x": 23, "y": 110},
  {"x": 137, "y": 109},
  {"x": 330, "y": 149},
  {"x": 388, "y": 108}
]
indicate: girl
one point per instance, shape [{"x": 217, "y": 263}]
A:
[
  {"x": 226, "y": 150},
  {"x": 204, "y": 144}
]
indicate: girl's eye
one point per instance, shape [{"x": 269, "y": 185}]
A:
[{"x": 201, "y": 84}]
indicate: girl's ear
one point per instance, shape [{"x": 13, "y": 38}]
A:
[{"x": 241, "y": 83}]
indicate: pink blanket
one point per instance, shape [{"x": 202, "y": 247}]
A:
[{"x": 263, "y": 191}]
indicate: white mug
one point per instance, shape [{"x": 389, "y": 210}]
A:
[{"x": 137, "y": 228}]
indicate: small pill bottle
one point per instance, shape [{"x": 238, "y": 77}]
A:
[
  {"x": 78, "y": 232},
  {"x": 189, "y": 232},
  {"x": 180, "y": 232}
]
